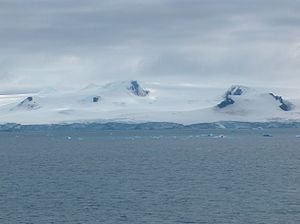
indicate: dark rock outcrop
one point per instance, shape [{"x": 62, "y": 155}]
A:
[
  {"x": 28, "y": 104},
  {"x": 137, "y": 90},
  {"x": 284, "y": 104},
  {"x": 233, "y": 91},
  {"x": 226, "y": 102},
  {"x": 96, "y": 99}
]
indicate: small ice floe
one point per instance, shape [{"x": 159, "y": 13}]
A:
[
  {"x": 219, "y": 136},
  {"x": 157, "y": 137},
  {"x": 80, "y": 139},
  {"x": 69, "y": 137},
  {"x": 267, "y": 135},
  {"x": 258, "y": 128},
  {"x": 297, "y": 136}
]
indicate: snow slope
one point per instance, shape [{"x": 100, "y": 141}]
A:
[{"x": 131, "y": 101}]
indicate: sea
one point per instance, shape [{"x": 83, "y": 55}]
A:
[{"x": 150, "y": 176}]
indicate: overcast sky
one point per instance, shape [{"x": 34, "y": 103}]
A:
[{"x": 70, "y": 43}]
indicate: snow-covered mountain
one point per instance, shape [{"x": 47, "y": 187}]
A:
[{"x": 131, "y": 101}]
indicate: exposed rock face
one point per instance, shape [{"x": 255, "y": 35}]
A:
[
  {"x": 96, "y": 99},
  {"x": 284, "y": 104},
  {"x": 28, "y": 104},
  {"x": 226, "y": 102},
  {"x": 91, "y": 99},
  {"x": 233, "y": 91},
  {"x": 137, "y": 90},
  {"x": 240, "y": 90}
]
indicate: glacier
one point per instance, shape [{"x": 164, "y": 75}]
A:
[{"x": 155, "y": 105}]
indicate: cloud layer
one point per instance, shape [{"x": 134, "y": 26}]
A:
[{"x": 70, "y": 43}]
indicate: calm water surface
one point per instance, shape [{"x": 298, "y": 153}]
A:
[{"x": 171, "y": 176}]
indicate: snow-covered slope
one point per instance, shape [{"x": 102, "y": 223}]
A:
[{"x": 131, "y": 101}]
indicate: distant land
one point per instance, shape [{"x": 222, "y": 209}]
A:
[
  {"x": 148, "y": 126},
  {"x": 135, "y": 104}
]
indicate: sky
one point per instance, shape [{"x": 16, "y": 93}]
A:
[{"x": 71, "y": 43}]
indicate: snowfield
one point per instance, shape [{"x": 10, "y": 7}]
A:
[{"x": 134, "y": 102}]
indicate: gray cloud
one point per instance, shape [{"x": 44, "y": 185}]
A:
[{"x": 70, "y": 42}]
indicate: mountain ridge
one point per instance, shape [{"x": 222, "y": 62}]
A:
[{"x": 132, "y": 101}]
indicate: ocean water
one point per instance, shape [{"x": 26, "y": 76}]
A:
[{"x": 167, "y": 176}]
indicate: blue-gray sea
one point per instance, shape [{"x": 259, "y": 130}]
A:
[{"x": 159, "y": 176}]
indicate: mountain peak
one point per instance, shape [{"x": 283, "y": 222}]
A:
[
  {"x": 137, "y": 90},
  {"x": 284, "y": 104},
  {"x": 235, "y": 90}
]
